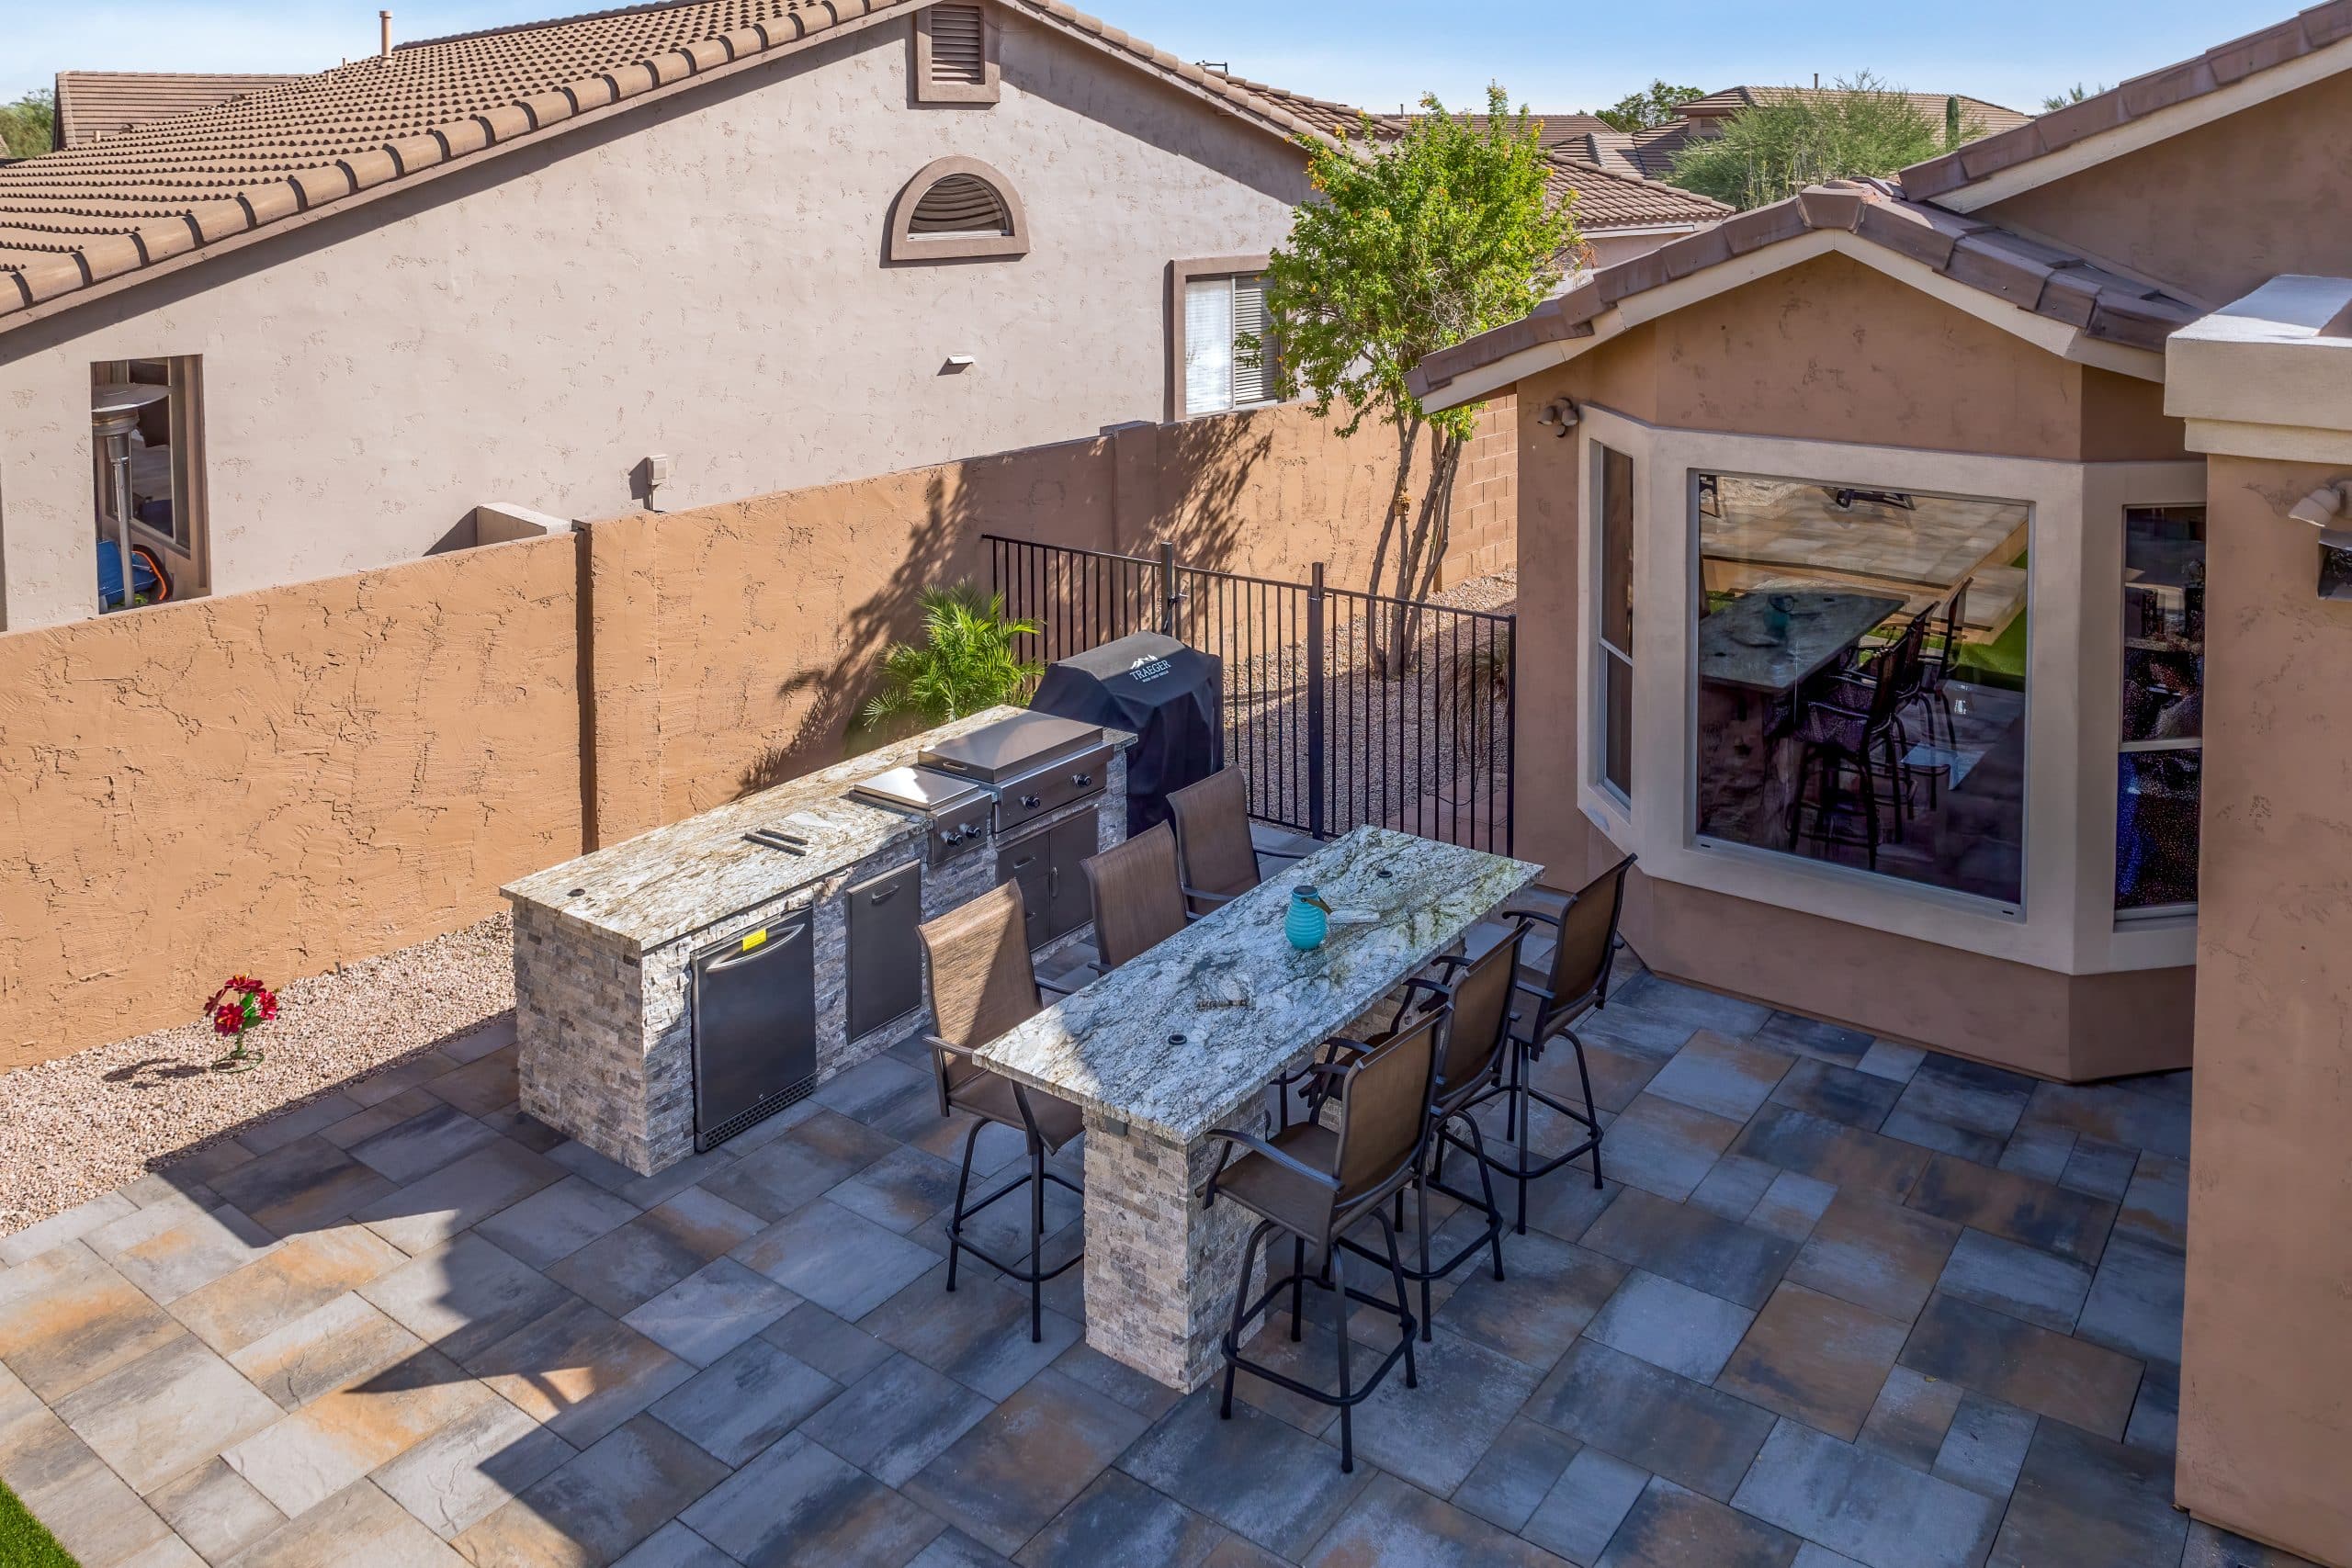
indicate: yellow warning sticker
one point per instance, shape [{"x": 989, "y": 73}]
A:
[{"x": 755, "y": 939}]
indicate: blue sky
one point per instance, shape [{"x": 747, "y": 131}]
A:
[{"x": 1376, "y": 52}]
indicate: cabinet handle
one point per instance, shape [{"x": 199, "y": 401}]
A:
[{"x": 883, "y": 897}]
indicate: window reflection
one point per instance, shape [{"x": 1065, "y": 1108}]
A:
[
  {"x": 1615, "y": 643},
  {"x": 2162, "y": 766},
  {"x": 1861, "y": 678}
]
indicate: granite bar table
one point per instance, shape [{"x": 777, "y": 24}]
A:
[{"x": 1184, "y": 1038}]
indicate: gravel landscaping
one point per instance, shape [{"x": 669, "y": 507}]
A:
[{"x": 76, "y": 1127}]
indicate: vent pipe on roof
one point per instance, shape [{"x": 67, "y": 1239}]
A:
[{"x": 384, "y": 25}]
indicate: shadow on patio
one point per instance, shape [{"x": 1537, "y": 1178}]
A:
[{"x": 1838, "y": 1294}]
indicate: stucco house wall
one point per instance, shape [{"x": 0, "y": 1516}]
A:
[
  {"x": 2266, "y": 1408},
  {"x": 702, "y": 276},
  {"x": 1825, "y": 350},
  {"x": 2219, "y": 209}
]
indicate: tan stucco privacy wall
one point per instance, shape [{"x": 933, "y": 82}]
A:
[
  {"x": 1828, "y": 349},
  {"x": 2266, "y": 1397},
  {"x": 279, "y": 780},
  {"x": 701, "y": 277}
]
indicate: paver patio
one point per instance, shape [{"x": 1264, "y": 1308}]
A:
[{"x": 1841, "y": 1301}]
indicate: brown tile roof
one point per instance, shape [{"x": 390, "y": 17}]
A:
[
  {"x": 1990, "y": 118},
  {"x": 2025, "y": 273},
  {"x": 1647, "y": 154},
  {"x": 1607, "y": 199},
  {"x": 1330, "y": 119},
  {"x": 93, "y": 104},
  {"x": 1560, "y": 129},
  {"x": 2218, "y": 67},
  {"x": 85, "y": 216}
]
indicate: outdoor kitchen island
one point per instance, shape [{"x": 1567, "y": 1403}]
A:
[{"x": 791, "y": 914}]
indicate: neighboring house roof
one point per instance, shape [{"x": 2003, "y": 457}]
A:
[
  {"x": 2223, "y": 79},
  {"x": 1989, "y": 118},
  {"x": 1562, "y": 129},
  {"x": 1607, "y": 199},
  {"x": 1645, "y": 154},
  {"x": 176, "y": 189},
  {"x": 93, "y": 104},
  {"x": 2041, "y": 283},
  {"x": 1330, "y": 119}
]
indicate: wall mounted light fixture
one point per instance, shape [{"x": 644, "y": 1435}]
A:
[
  {"x": 2326, "y": 508},
  {"x": 1562, "y": 413}
]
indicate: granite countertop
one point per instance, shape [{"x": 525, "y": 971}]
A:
[
  {"x": 1738, "y": 646},
  {"x": 674, "y": 881},
  {"x": 1246, "y": 1003}
]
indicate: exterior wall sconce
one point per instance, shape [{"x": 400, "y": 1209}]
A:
[
  {"x": 1563, "y": 414},
  {"x": 2324, "y": 509}
]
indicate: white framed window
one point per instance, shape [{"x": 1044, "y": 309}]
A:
[
  {"x": 147, "y": 480},
  {"x": 1227, "y": 364},
  {"x": 2041, "y": 788},
  {"x": 2160, "y": 736},
  {"x": 1612, "y": 638}
]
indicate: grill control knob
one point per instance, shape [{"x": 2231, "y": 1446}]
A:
[
  {"x": 1033, "y": 800},
  {"x": 1083, "y": 781}
]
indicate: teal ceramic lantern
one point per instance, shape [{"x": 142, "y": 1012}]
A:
[{"x": 1308, "y": 919}]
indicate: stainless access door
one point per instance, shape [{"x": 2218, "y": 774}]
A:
[
  {"x": 754, "y": 1015},
  {"x": 885, "y": 950}
]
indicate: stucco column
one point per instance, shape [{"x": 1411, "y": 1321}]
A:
[
  {"x": 620, "y": 666},
  {"x": 2266, "y": 1398}
]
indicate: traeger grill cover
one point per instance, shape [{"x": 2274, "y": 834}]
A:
[{"x": 1169, "y": 694}]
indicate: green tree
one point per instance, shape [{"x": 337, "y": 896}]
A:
[
  {"x": 25, "y": 125},
  {"x": 1776, "y": 148},
  {"x": 965, "y": 663},
  {"x": 1653, "y": 106},
  {"x": 1406, "y": 247},
  {"x": 2073, "y": 95}
]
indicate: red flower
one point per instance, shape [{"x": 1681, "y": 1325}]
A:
[{"x": 229, "y": 1019}]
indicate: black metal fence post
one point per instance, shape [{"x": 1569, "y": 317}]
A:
[
  {"x": 1172, "y": 598},
  {"x": 1315, "y": 822}
]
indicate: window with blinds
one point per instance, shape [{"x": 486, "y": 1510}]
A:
[
  {"x": 1227, "y": 364},
  {"x": 958, "y": 55}
]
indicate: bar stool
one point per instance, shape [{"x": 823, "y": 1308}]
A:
[
  {"x": 1139, "y": 896},
  {"x": 1576, "y": 982},
  {"x": 977, "y": 957},
  {"x": 1478, "y": 1009},
  {"x": 1314, "y": 1183},
  {"x": 1211, "y": 818}
]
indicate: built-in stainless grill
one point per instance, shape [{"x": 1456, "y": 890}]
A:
[
  {"x": 956, "y": 811},
  {"x": 1031, "y": 764}
]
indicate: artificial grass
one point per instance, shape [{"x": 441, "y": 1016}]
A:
[
  {"x": 24, "y": 1544},
  {"x": 2000, "y": 662}
]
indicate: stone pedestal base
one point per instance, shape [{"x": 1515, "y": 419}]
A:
[{"x": 1161, "y": 1270}]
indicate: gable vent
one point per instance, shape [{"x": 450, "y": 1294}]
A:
[
  {"x": 957, "y": 58},
  {"x": 961, "y": 204}
]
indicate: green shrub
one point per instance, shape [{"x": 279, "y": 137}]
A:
[{"x": 966, "y": 661}]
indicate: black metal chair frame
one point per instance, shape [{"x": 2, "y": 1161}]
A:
[
  {"x": 1889, "y": 681},
  {"x": 1554, "y": 1015},
  {"x": 1035, "y": 1177},
  {"x": 1450, "y": 1103},
  {"x": 1333, "y": 1279}
]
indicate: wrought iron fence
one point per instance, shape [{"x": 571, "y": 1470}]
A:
[{"x": 1328, "y": 741}]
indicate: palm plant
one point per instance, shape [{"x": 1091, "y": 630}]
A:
[{"x": 965, "y": 663}]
